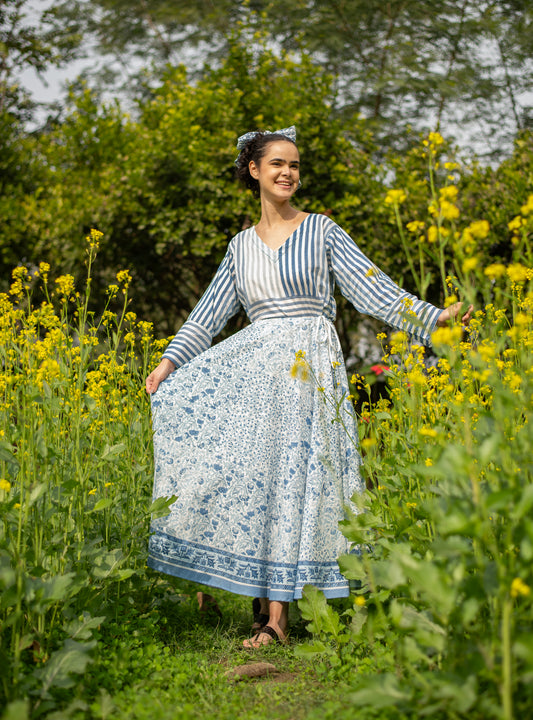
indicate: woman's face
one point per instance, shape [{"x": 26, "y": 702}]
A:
[{"x": 278, "y": 171}]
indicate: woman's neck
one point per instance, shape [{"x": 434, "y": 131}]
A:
[{"x": 273, "y": 214}]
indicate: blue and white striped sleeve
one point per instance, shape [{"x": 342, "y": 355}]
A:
[
  {"x": 374, "y": 293},
  {"x": 216, "y": 306}
]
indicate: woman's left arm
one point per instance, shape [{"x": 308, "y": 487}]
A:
[{"x": 372, "y": 292}]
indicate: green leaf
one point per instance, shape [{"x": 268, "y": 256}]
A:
[
  {"x": 17, "y": 710},
  {"x": 102, "y": 504},
  {"x": 7, "y": 454},
  {"x": 111, "y": 452},
  {"x": 72, "y": 659},
  {"x": 161, "y": 506},
  {"x": 380, "y": 691},
  {"x": 524, "y": 504},
  {"x": 81, "y": 628},
  {"x": 312, "y": 649},
  {"x": 314, "y": 607}
]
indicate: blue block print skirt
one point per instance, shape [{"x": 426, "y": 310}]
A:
[{"x": 262, "y": 471}]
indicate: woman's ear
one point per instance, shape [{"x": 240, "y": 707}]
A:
[{"x": 252, "y": 167}]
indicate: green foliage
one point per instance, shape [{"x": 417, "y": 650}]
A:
[
  {"x": 444, "y": 605},
  {"x": 162, "y": 188},
  {"x": 75, "y": 468}
]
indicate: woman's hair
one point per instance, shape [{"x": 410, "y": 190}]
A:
[{"x": 254, "y": 150}]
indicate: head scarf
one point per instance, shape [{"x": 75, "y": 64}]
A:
[{"x": 289, "y": 133}]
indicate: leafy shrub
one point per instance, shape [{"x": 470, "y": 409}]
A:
[{"x": 444, "y": 605}]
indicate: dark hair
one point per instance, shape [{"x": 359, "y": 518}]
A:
[{"x": 254, "y": 150}]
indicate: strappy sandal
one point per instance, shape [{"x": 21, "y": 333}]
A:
[
  {"x": 260, "y": 619},
  {"x": 266, "y": 630}
]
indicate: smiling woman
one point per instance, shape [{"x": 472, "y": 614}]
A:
[{"x": 262, "y": 472}]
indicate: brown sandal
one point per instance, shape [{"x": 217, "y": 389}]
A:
[{"x": 266, "y": 630}]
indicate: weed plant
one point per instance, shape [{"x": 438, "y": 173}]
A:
[
  {"x": 443, "y": 613},
  {"x": 75, "y": 475}
]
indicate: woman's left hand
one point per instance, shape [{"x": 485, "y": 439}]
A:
[{"x": 452, "y": 313}]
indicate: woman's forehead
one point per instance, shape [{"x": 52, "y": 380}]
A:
[{"x": 282, "y": 149}]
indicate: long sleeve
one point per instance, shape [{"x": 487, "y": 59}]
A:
[
  {"x": 372, "y": 292},
  {"x": 216, "y": 306}
]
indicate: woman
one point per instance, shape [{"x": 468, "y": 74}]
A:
[{"x": 261, "y": 472}]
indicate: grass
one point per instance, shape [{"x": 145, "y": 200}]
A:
[{"x": 171, "y": 662}]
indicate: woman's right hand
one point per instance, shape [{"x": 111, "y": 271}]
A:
[{"x": 157, "y": 376}]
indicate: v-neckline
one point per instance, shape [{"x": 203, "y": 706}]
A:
[{"x": 284, "y": 244}]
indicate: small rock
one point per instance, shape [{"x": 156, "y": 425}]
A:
[{"x": 251, "y": 670}]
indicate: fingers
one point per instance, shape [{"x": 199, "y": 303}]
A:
[
  {"x": 465, "y": 320},
  {"x": 152, "y": 383}
]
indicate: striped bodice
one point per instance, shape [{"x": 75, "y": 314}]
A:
[
  {"x": 291, "y": 281},
  {"x": 297, "y": 279}
]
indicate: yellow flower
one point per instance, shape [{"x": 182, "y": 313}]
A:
[
  {"x": 433, "y": 234},
  {"x": 124, "y": 278},
  {"x": 446, "y": 335},
  {"x": 300, "y": 369},
  {"x": 410, "y": 505},
  {"x": 519, "y": 587},
  {"x": 434, "y": 140},
  {"x": 428, "y": 432},
  {"x": 450, "y": 300},
  {"x": 93, "y": 238},
  {"x": 359, "y": 601},
  {"x": 5, "y": 485},
  {"x": 448, "y": 193},
  {"x": 517, "y": 273},
  {"x": 415, "y": 226},
  {"x": 395, "y": 197},
  {"x": 65, "y": 285},
  {"x": 367, "y": 443},
  {"x": 516, "y": 223},
  {"x": 428, "y": 462},
  {"x": 528, "y": 207},
  {"x": 448, "y": 210},
  {"x": 495, "y": 271},
  {"x": 521, "y": 319},
  {"x": 479, "y": 229},
  {"x": 469, "y": 264},
  {"x": 44, "y": 269}
]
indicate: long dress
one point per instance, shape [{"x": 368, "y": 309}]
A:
[{"x": 262, "y": 464}]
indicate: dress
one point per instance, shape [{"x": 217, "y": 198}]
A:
[{"x": 262, "y": 470}]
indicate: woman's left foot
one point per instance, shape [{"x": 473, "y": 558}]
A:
[
  {"x": 266, "y": 636},
  {"x": 260, "y": 617}
]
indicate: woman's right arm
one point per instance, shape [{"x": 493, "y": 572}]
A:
[{"x": 216, "y": 306}]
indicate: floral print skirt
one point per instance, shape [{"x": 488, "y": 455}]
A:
[{"x": 246, "y": 437}]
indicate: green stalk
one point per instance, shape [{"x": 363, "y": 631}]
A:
[
  {"x": 507, "y": 689},
  {"x": 407, "y": 252}
]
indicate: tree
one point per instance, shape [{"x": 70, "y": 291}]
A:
[
  {"x": 25, "y": 45},
  {"x": 161, "y": 185},
  {"x": 456, "y": 64}
]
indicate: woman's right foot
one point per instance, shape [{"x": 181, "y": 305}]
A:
[{"x": 266, "y": 636}]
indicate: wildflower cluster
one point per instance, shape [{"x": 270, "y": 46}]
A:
[{"x": 75, "y": 464}]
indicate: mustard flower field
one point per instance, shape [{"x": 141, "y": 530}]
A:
[{"x": 440, "y": 621}]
